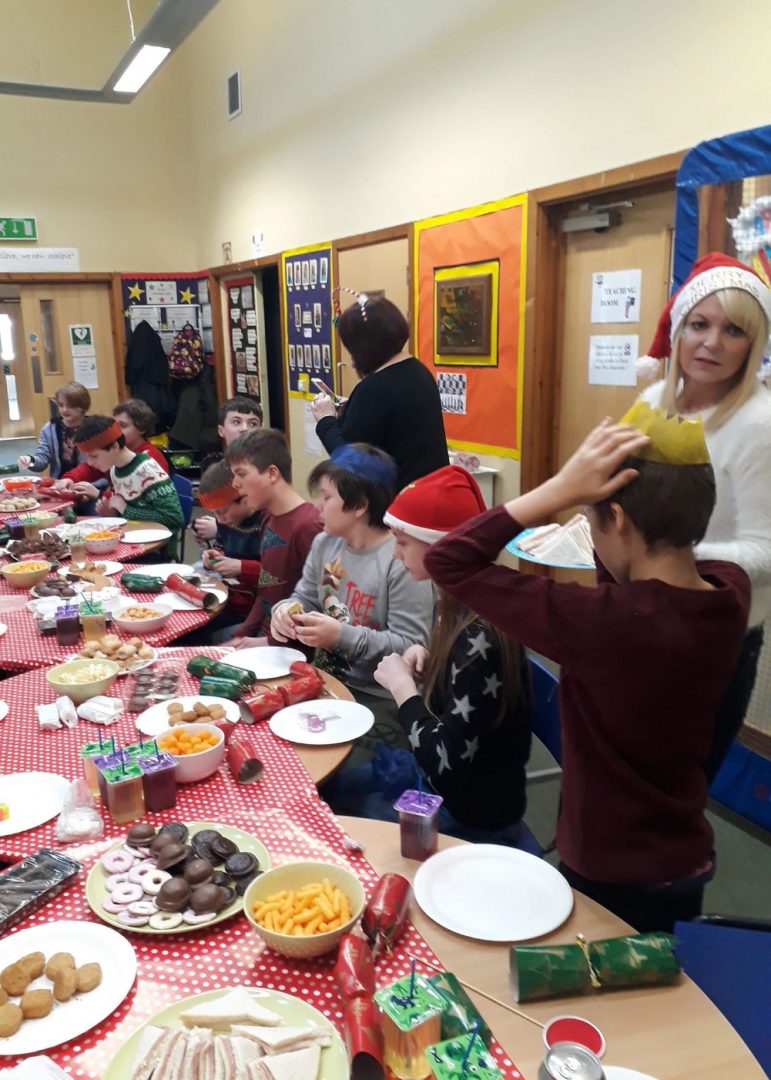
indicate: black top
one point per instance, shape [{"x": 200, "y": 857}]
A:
[
  {"x": 474, "y": 762},
  {"x": 398, "y": 410}
]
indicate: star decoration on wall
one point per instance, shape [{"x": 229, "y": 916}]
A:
[
  {"x": 492, "y": 685},
  {"x": 135, "y": 292},
  {"x": 415, "y": 736},
  {"x": 472, "y": 745},
  {"x": 479, "y": 644},
  {"x": 462, "y": 707},
  {"x": 444, "y": 761},
  {"x": 186, "y": 296}
]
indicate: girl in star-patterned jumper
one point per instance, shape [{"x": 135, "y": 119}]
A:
[{"x": 463, "y": 701}]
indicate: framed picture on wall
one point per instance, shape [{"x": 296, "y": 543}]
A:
[{"x": 464, "y": 316}]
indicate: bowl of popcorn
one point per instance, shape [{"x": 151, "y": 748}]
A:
[
  {"x": 141, "y": 619},
  {"x": 302, "y": 909},
  {"x": 80, "y": 680},
  {"x": 24, "y": 575},
  {"x": 102, "y": 541},
  {"x": 198, "y": 749}
]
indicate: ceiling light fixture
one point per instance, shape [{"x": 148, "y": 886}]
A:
[{"x": 141, "y": 68}]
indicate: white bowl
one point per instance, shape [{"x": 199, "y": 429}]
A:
[
  {"x": 102, "y": 547},
  {"x": 80, "y": 692},
  {"x": 295, "y": 875},
  {"x": 192, "y": 767},
  {"x": 141, "y": 627}
]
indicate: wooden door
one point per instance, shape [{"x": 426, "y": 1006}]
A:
[
  {"x": 643, "y": 241},
  {"x": 48, "y": 312},
  {"x": 376, "y": 268}
]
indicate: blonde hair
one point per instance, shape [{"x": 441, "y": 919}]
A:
[
  {"x": 745, "y": 312},
  {"x": 452, "y": 619}
]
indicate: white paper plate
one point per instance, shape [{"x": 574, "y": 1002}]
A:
[
  {"x": 34, "y": 504},
  {"x": 156, "y": 719},
  {"x": 294, "y": 1012},
  {"x": 33, "y": 798},
  {"x": 89, "y": 943},
  {"x": 617, "y": 1072},
  {"x": 87, "y": 525},
  {"x": 514, "y": 548},
  {"x": 139, "y": 665},
  {"x": 3, "y": 709},
  {"x": 269, "y": 662},
  {"x": 110, "y": 567},
  {"x": 346, "y": 721},
  {"x": 181, "y": 603},
  {"x": 493, "y": 893},
  {"x": 146, "y": 536},
  {"x": 164, "y": 570},
  {"x": 3, "y": 629}
]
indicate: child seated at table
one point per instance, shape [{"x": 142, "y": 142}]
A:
[
  {"x": 141, "y": 490},
  {"x": 463, "y": 701},
  {"x": 358, "y": 601},
  {"x": 237, "y": 416},
  {"x": 235, "y": 551},
  {"x": 645, "y": 656},
  {"x": 262, "y": 477}
]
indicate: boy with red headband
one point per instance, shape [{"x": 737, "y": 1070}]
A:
[{"x": 141, "y": 490}]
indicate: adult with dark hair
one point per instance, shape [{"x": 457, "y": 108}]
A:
[
  {"x": 715, "y": 329},
  {"x": 140, "y": 488},
  {"x": 396, "y": 406},
  {"x": 56, "y": 449},
  {"x": 645, "y": 656}
]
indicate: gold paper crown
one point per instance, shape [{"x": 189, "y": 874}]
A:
[{"x": 673, "y": 439}]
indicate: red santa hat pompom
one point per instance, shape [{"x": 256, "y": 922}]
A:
[
  {"x": 436, "y": 504},
  {"x": 709, "y": 275}
]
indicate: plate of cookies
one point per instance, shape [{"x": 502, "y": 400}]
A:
[
  {"x": 195, "y": 708},
  {"x": 175, "y": 879},
  {"x": 53, "y": 996}
]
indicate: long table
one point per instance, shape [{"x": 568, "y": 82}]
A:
[{"x": 669, "y": 1032}]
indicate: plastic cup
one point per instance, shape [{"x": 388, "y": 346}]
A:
[{"x": 418, "y": 823}]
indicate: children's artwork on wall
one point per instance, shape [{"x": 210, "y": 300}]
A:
[
  {"x": 307, "y": 304},
  {"x": 469, "y": 320},
  {"x": 466, "y": 315},
  {"x": 167, "y": 302},
  {"x": 244, "y": 374}
]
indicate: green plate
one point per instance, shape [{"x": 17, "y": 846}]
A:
[
  {"x": 96, "y": 892},
  {"x": 293, "y": 1011}
]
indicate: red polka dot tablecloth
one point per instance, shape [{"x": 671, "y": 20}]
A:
[{"x": 283, "y": 810}]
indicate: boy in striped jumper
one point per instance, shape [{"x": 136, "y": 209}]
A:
[{"x": 141, "y": 490}]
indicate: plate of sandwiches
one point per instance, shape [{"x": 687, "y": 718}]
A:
[
  {"x": 567, "y": 546},
  {"x": 232, "y": 1032}
]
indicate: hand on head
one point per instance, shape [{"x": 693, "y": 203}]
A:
[{"x": 592, "y": 473}]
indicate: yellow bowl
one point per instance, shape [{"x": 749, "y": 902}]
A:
[
  {"x": 80, "y": 692},
  {"x": 295, "y": 875},
  {"x": 193, "y": 767},
  {"x": 19, "y": 577}
]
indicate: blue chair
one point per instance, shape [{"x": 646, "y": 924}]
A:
[
  {"x": 729, "y": 959},
  {"x": 184, "y": 489}
]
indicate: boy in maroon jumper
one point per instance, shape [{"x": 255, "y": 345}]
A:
[
  {"x": 262, "y": 473},
  {"x": 645, "y": 656}
]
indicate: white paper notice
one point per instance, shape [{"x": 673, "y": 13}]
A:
[
  {"x": 84, "y": 355},
  {"x": 161, "y": 292},
  {"x": 312, "y": 442},
  {"x": 141, "y": 313},
  {"x": 616, "y": 296},
  {"x": 612, "y": 359},
  {"x": 452, "y": 391}
]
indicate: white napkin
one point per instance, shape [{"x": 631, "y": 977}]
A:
[{"x": 35, "y": 1068}]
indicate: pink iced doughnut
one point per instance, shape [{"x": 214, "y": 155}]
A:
[
  {"x": 128, "y": 919},
  {"x": 114, "y": 880},
  {"x": 194, "y": 918},
  {"x": 127, "y": 893},
  {"x": 151, "y": 883},
  {"x": 118, "y": 862},
  {"x": 140, "y": 870},
  {"x": 142, "y": 907},
  {"x": 110, "y": 905},
  {"x": 137, "y": 852},
  {"x": 165, "y": 920}
]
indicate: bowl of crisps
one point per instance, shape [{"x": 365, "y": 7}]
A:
[
  {"x": 26, "y": 574},
  {"x": 312, "y": 905},
  {"x": 102, "y": 541},
  {"x": 141, "y": 619},
  {"x": 198, "y": 749},
  {"x": 80, "y": 680}
]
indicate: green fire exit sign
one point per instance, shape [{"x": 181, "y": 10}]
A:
[{"x": 18, "y": 228}]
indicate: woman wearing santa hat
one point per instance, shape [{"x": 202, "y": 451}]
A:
[
  {"x": 463, "y": 702},
  {"x": 715, "y": 329}
]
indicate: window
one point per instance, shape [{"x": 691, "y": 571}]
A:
[{"x": 48, "y": 334}]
